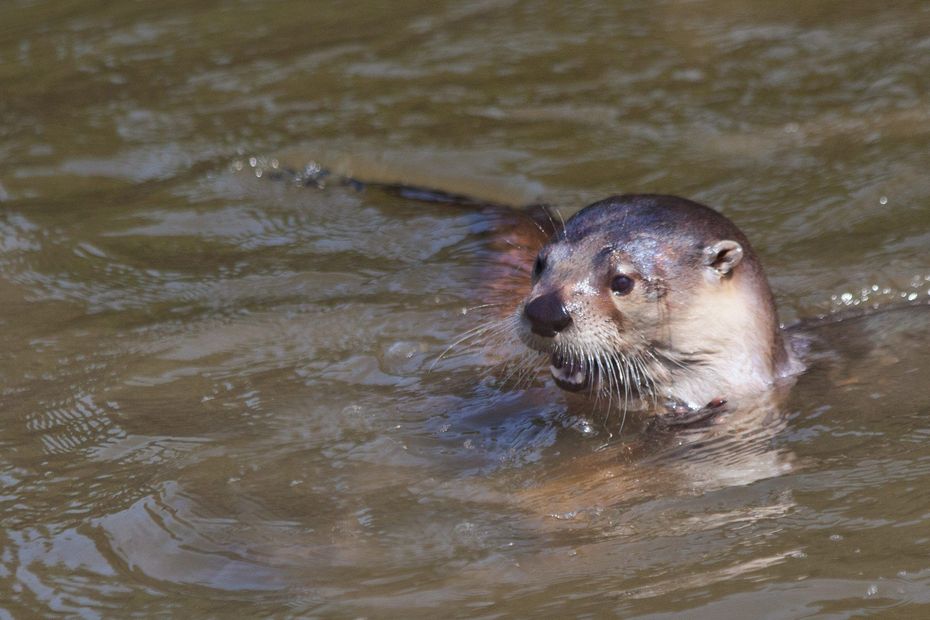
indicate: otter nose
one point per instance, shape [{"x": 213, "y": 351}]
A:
[{"x": 547, "y": 315}]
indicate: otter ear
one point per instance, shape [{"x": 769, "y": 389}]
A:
[{"x": 723, "y": 256}]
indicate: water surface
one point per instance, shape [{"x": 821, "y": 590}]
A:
[{"x": 215, "y": 387}]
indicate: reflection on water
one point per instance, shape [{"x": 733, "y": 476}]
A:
[{"x": 220, "y": 393}]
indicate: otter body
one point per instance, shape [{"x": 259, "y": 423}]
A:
[{"x": 657, "y": 298}]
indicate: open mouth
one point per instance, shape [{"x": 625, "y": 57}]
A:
[{"x": 569, "y": 374}]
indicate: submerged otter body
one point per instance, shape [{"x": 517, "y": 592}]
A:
[{"x": 654, "y": 298}]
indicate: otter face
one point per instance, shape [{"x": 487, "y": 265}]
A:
[
  {"x": 614, "y": 294},
  {"x": 593, "y": 310}
]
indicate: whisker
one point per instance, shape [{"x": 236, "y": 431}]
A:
[
  {"x": 517, "y": 246},
  {"x": 516, "y": 370},
  {"x": 525, "y": 379},
  {"x": 606, "y": 377},
  {"x": 482, "y": 306},
  {"x": 472, "y": 333},
  {"x": 493, "y": 329},
  {"x": 623, "y": 399}
]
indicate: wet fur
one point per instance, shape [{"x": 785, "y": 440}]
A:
[{"x": 686, "y": 333}]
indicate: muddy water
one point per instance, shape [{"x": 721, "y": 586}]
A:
[{"x": 215, "y": 388}]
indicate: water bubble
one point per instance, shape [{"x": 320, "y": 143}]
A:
[
  {"x": 586, "y": 429},
  {"x": 352, "y": 409},
  {"x": 872, "y": 590},
  {"x": 883, "y": 200},
  {"x": 253, "y": 161},
  {"x": 401, "y": 357},
  {"x": 469, "y": 535},
  {"x": 846, "y": 297}
]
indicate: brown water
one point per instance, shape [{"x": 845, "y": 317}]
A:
[{"x": 214, "y": 387}]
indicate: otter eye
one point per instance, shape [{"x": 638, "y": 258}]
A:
[
  {"x": 621, "y": 284},
  {"x": 538, "y": 267}
]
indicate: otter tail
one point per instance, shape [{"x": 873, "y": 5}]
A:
[{"x": 545, "y": 218}]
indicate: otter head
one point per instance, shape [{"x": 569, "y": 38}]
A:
[{"x": 652, "y": 296}]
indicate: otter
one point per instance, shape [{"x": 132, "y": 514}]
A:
[
  {"x": 658, "y": 298},
  {"x": 653, "y": 298}
]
